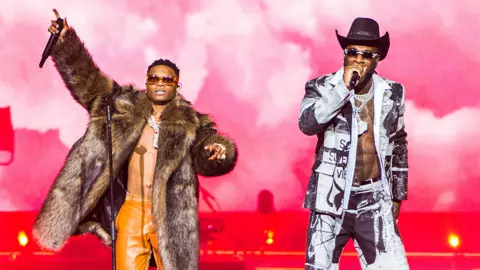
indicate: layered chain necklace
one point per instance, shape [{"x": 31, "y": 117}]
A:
[
  {"x": 156, "y": 128},
  {"x": 362, "y": 126}
]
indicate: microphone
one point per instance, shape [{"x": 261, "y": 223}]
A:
[
  {"x": 51, "y": 41},
  {"x": 354, "y": 79}
]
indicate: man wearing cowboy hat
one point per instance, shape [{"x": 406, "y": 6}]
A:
[{"x": 359, "y": 177}]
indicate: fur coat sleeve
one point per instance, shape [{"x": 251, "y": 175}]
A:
[
  {"x": 87, "y": 85},
  {"x": 81, "y": 75},
  {"x": 206, "y": 135}
]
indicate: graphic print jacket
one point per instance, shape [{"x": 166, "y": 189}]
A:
[{"x": 327, "y": 112}]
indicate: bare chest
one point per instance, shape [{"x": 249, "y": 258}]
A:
[
  {"x": 144, "y": 149},
  {"x": 366, "y": 139},
  {"x": 367, "y": 112},
  {"x": 147, "y": 139},
  {"x": 141, "y": 167}
]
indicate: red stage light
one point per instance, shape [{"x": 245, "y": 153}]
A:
[
  {"x": 270, "y": 235},
  {"x": 22, "y": 238},
  {"x": 453, "y": 240}
]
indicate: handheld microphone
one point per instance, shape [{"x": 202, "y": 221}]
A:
[
  {"x": 51, "y": 41},
  {"x": 354, "y": 79}
]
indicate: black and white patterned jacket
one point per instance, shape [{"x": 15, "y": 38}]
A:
[{"x": 326, "y": 111}]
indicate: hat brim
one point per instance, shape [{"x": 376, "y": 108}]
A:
[{"x": 382, "y": 43}]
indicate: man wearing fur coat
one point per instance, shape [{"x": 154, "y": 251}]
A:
[{"x": 160, "y": 144}]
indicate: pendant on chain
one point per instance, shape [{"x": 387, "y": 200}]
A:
[
  {"x": 156, "y": 128},
  {"x": 362, "y": 126}
]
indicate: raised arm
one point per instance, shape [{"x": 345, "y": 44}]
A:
[
  {"x": 78, "y": 70},
  {"x": 213, "y": 154},
  {"x": 321, "y": 104}
]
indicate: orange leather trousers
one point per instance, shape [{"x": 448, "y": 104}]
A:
[{"x": 136, "y": 237}]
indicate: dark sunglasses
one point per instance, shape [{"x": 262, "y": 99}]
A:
[
  {"x": 168, "y": 80},
  {"x": 364, "y": 54}
]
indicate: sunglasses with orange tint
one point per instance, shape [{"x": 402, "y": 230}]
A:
[{"x": 167, "y": 80}]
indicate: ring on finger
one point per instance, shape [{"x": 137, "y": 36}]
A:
[{"x": 220, "y": 145}]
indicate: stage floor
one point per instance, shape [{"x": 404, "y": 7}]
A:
[
  {"x": 237, "y": 240},
  {"x": 230, "y": 260}
]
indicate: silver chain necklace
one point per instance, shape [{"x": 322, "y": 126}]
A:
[
  {"x": 156, "y": 128},
  {"x": 362, "y": 126}
]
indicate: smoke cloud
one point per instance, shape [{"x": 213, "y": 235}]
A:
[{"x": 246, "y": 63}]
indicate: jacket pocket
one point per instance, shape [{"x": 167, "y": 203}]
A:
[{"x": 326, "y": 168}]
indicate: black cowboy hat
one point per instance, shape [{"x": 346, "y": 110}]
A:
[{"x": 365, "y": 31}]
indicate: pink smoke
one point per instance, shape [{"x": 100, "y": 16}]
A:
[{"x": 246, "y": 62}]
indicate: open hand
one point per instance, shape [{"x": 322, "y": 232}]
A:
[
  {"x": 53, "y": 28},
  {"x": 218, "y": 151}
]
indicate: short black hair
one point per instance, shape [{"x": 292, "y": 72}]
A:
[{"x": 165, "y": 62}]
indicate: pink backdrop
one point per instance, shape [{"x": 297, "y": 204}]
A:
[{"x": 246, "y": 62}]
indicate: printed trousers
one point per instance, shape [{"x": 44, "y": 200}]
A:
[{"x": 369, "y": 222}]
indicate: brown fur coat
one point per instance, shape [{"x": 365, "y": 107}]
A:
[{"x": 80, "y": 188}]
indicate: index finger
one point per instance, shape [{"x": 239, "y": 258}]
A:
[
  {"x": 56, "y": 13},
  {"x": 354, "y": 66}
]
